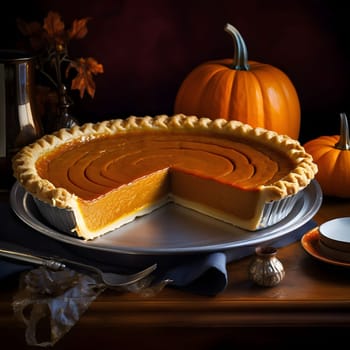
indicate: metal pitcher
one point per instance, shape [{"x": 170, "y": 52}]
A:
[{"x": 19, "y": 124}]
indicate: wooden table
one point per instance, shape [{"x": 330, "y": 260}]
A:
[{"x": 311, "y": 306}]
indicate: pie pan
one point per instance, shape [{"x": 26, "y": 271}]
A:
[{"x": 64, "y": 219}]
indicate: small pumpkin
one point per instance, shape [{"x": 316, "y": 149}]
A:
[
  {"x": 254, "y": 93},
  {"x": 332, "y": 156}
]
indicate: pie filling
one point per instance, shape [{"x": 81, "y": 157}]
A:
[{"x": 110, "y": 177}]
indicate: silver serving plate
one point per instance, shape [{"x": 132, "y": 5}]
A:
[{"x": 172, "y": 230}]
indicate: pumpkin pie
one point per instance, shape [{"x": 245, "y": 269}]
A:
[{"x": 104, "y": 175}]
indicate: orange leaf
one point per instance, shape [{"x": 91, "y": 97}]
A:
[
  {"x": 53, "y": 24},
  {"x": 82, "y": 82},
  {"x": 93, "y": 66},
  {"x": 85, "y": 69},
  {"x": 79, "y": 29}
]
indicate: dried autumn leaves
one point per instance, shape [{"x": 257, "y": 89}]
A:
[{"x": 50, "y": 41}]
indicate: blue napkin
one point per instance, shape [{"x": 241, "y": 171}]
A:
[{"x": 203, "y": 274}]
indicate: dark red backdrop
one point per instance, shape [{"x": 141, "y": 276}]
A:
[{"x": 148, "y": 47}]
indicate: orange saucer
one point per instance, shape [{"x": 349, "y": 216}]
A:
[{"x": 311, "y": 243}]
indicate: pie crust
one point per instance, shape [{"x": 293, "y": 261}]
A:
[{"x": 225, "y": 163}]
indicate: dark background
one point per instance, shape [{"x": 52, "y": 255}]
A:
[{"x": 148, "y": 47}]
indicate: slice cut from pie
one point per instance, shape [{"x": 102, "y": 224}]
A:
[{"x": 92, "y": 179}]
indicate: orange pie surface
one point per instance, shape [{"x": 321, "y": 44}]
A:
[{"x": 112, "y": 172}]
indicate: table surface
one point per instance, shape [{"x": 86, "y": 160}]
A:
[{"x": 310, "y": 306}]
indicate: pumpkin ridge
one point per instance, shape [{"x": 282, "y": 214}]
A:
[
  {"x": 221, "y": 83},
  {"x": 262, "y": 112}
]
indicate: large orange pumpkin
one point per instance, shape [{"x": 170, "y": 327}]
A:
[
  {"x": 254, "y": 93},
  {"x": 332, "y": 156}
]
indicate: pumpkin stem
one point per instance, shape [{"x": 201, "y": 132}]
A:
[
  {"x": 240, "y": 58},
  {"x": 344, "y": 140}
]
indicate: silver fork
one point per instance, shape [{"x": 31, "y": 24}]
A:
[{"x": 110, "y": 279}]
